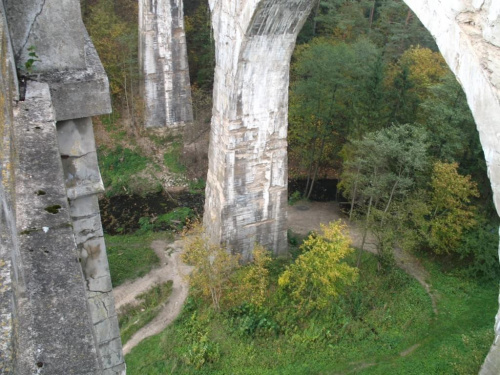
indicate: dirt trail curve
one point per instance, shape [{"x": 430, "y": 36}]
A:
[
  {"x": 306, "y": 216},
  {"x": 171, "y": 268}
]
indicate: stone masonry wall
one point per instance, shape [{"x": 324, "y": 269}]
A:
[
  {"x": 164, "y": 64},
  {"x": 246, "y": 183}
]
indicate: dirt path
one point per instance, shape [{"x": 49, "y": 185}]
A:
[
  {"x": 306, "y": 216},
  {"x": 171, "y": 268}
]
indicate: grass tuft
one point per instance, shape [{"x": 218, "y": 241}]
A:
[{"x": 133, "y": 317}]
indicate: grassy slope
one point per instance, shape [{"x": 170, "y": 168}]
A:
[
  {"x": 374, "y": 323},
  {"x": 130, "y": 256},
  {"x": 134, "y": 317}
]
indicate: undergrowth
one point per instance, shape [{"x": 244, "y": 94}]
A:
[
  {"x": 130, "y": 256},
  {"x": 174, "y": 220},
  {"x": 365, "y": 330},
  {"x": 172, "y": 158},
  {"x": 133, "y": 317},
  {"x": 121, "y": 172}
]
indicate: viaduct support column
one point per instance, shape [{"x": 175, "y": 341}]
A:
[
  {"x": 164, "y": 64},
  {"x": 246, "y": 194}
]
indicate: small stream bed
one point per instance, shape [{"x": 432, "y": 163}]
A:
[{"x": 120, "y": 214}]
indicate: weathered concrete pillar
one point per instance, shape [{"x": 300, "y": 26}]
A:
[
  {"x": 246, "y": 194},
  {"x": 63, "y": 305},
  {"x": 53, "y": 330},
  {"x": 164, "y": 64},
  {"x": 83, "y": 184}
]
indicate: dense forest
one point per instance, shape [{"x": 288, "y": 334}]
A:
[{"x": 372, "y": 105}]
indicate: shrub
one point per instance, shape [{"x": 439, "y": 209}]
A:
[
  {"x": 201, "y": 349},
  {"x": 294, "y": 198},
  {"x": 251, "y": 320},
  {"x": 175, "y": 219},
  {"x": 213, "y": 265},
  {"x": 318, "y": 274},
  {"x": 480, "y": 246}
]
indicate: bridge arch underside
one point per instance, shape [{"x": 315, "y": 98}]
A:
[{"x": 247, "y": 177}]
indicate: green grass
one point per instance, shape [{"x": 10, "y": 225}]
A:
[
  {"x": 172, "y": 158},
  {"x": 373, "y": 323},
  {"x": 134, "y": 317},
  {"x": 459, "y": 339},
  {"x": 120, "y": 168},
  {"x": 197, "y": 186},
  {"x": 130, "y": 256},
  {"x": 175, "y": 219}
]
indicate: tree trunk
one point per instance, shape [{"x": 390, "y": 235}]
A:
[
  {"x": 372, "y": 13},
  {"x": 408, "y": 17},
  {"x": 393, "y": 190},
  {"x": 365, "y": 232},
  {"x": 316, "y": 10},
  {"x": 317, "y": 166},
  {"x": 354, "y": 194}
]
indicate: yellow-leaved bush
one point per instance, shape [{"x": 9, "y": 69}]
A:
[
  {"x": 212, "y": 265},
  {"x": 319, "y": 274},
  {"x": 255, "y": 282}
]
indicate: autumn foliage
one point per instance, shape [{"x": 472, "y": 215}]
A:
[{"x": 319, "y": 273}]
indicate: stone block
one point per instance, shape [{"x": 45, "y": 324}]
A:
[
  {"x": 102, "y": 306},
  {"x": 112, "y": 357},
  {"x": 95, "y": 265},
  {"x": 76, "y": 137},
  {"x": 82, "y": 92},
  {"x": 84, "y": 206},
  {"x": 53, "y": 27},
  {"x": 87, "y": 228},
  {"x": 106, "y": 331}
]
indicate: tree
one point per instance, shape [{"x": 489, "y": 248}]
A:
[
  {"x": 213, "y": 265},
  {"x": 379, "y": 173},
  {"x": 326, "y": 77},
  {"x": 200, "y": 43},
  {"x": 112, "y": 25},
  {"x": 252, "y": 285},
  {"x": 450, "y": 206},
  {"x": 319, "y": 274},
  {"x": 384, "y": 165}
]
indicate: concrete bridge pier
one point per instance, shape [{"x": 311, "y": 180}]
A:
[
  {"x": 164, "y": 64},
  {"x": 246, "y": 194}
]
